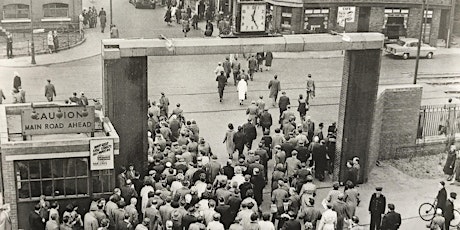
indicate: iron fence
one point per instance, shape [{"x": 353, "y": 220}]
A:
[
  {"x": 68, "y": 36},
  {"x": 439, "y": 121}
]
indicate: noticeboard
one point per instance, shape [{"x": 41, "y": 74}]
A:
[
  {"x": 345, "y": 14},
  {"x": 57, "y": 120},
  {"x": 101, "y": 154}
]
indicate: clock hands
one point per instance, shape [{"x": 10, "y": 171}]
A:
[{"x": 254, "y": 19}]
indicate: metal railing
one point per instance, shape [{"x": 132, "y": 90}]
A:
[
  {"x": 439, "y": 121},
  {"x": 68, "y": 36}
]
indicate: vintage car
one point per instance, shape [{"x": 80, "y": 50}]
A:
[
  {"x": 407, "y": 47},
  {"x": 144, "y": 4}
]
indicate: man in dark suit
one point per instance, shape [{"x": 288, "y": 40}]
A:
[
  {"x": 221, "y": 81},
  {"x": 50, "y": 91},
  {"x": 283, "y": 103},
  {"x": 449, "y": 209},
  {"x": 377, "y": 208},
  {"x": 391, "y": 220},
  {"x": 239, "y": 139},
  {"x": 292, "y": 223},
  {"x": 250, "y": 133},
  {"x": 441, "y": 198},
  {"x": 128, "y": 192},
  {"x": 36, "y": 222},
  {"x": 265, "y": 120}
]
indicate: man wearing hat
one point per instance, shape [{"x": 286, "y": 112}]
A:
[
  {"x": 250, "y": 131},
  {"x": 50, "y": 91},
  {"x": 253, "y": 111},
  {"x": 441, "y": 198},
  {"x": 164, "y": 105},
  {"x": 377, "y": 206},
  {"x": 221, "y": 82},
  {"x": 265, "y": 120},
  {"x": 219, "y": 69},
  {"x": 283, "y": 103},
  {"x": 449, "y": 209},
  {"x": 259, "y": 183},
  {"x": 252, "y": 66},
  {"x": 391, "y": 220}
]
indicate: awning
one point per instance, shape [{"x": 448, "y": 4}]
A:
[{"x": 287, "y": 3}]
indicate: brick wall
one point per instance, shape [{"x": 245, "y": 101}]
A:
[
  {"x": 9, "y": 188},
  {"x": 297, "y": 19},
  {"x": 395, "y": 121},
  {"x": 413, "y": 23},
  {"x": 361, "y": 74},
  {"x": 376, "y": 19},
  {"x": 435, "y": 27}
]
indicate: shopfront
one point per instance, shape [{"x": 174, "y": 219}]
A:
[
  {"x": 316, "y": 20},
  {"x": 64, "y": 153}
]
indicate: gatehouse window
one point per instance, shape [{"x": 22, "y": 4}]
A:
[
  {"x": 59, "y": 178},
  {"x": 16, "y": 11},
  {"x": 55, "y": 10}
]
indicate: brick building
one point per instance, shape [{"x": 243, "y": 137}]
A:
[
  {"x": 18, "y": 14},
  {"x": 64, "y": 153},
  {"x": 396, "y": 16}
]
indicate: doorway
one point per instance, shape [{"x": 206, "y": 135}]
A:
[{"x": 363, "y": 19}]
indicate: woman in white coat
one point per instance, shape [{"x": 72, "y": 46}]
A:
[
  {"x": 50, "y": 41},
  {"x": 242, "y": 90}
]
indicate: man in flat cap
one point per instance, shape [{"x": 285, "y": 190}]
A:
[
  {"x": 377, "y": 208},
  {"x": 391, "y": 220},
  {"x": 250, "y": 131}
]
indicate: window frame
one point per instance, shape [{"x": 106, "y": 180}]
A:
[
  {"x": 53, "y": 12},
  {"x": 88, "y": 175},
  {"x": 17, "y": 9}
]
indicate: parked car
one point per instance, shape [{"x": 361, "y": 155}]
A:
[
  {"x": 407, "y": 47},
  {"x": 145, "y": 4}
]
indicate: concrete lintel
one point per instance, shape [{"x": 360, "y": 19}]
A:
[{"x": 196, "y": 46}]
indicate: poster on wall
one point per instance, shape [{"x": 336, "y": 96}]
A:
[
  {"x": 101, "y": 154},
  {"x": 345, "y": 14}
]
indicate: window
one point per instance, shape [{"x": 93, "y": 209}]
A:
[
  {"x": 15, "y": 11},
  {"x": 286, "y": 16},
  {"x": 316, "y": 20},
  {"x": 55, "y": 10},
  {"x": 60, "y": 178}
]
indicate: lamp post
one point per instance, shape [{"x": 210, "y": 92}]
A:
[
  {"x": 32, "y": 45},
  {"x": 419, "y": 41}
]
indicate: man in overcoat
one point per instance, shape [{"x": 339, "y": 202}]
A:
[
  {"x": 283, "y": 103},
  {"x": 391, "y": 220},
  {"x": 250, "y": 133},
  {"x": 274, "y": 86}
]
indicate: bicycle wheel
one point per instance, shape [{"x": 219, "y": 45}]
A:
[
  {"x": 456, "y": 221},
  {"x": 426, "y": 211}
]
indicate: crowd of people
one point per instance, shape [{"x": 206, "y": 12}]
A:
[{"x": 88, "y": 19}]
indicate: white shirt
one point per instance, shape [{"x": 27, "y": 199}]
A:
[
  {"x": 215, "y": 225},
  {"x": 266, "y": 225},
  {"x": 239, "y": 179}
]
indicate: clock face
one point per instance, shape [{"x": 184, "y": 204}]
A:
[{"x": 252, "y": 17}]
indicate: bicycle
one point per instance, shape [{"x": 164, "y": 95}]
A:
[{"x": 427, "y": 211}]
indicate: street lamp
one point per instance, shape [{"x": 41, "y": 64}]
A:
[
  {"x": 419, "y": 41},
  {"x": 32, "y": 45}
]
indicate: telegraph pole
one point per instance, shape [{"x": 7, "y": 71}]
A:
[
  {"x": 32, "y": 44},
  {"x": 111, "y": 19},
  {"x": 419, "y": 41}
]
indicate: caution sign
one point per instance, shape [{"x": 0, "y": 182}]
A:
[
  {"x": 101, "y": 154},
  {"x": 346, "y": 14},
  {"x": 57, "y": 120}
]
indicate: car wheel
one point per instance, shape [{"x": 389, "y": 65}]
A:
[
  {"x": 429, "y": 55},
  {"x": 405, "y": 56}
]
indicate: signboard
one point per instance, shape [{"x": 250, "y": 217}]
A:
[
  {"x": 345, "y": 14},
  {"x": 101, "y": 154},
  {"x": 57, "y": 120}
]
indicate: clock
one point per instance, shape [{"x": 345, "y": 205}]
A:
[{"x": 253, "y": 16}]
